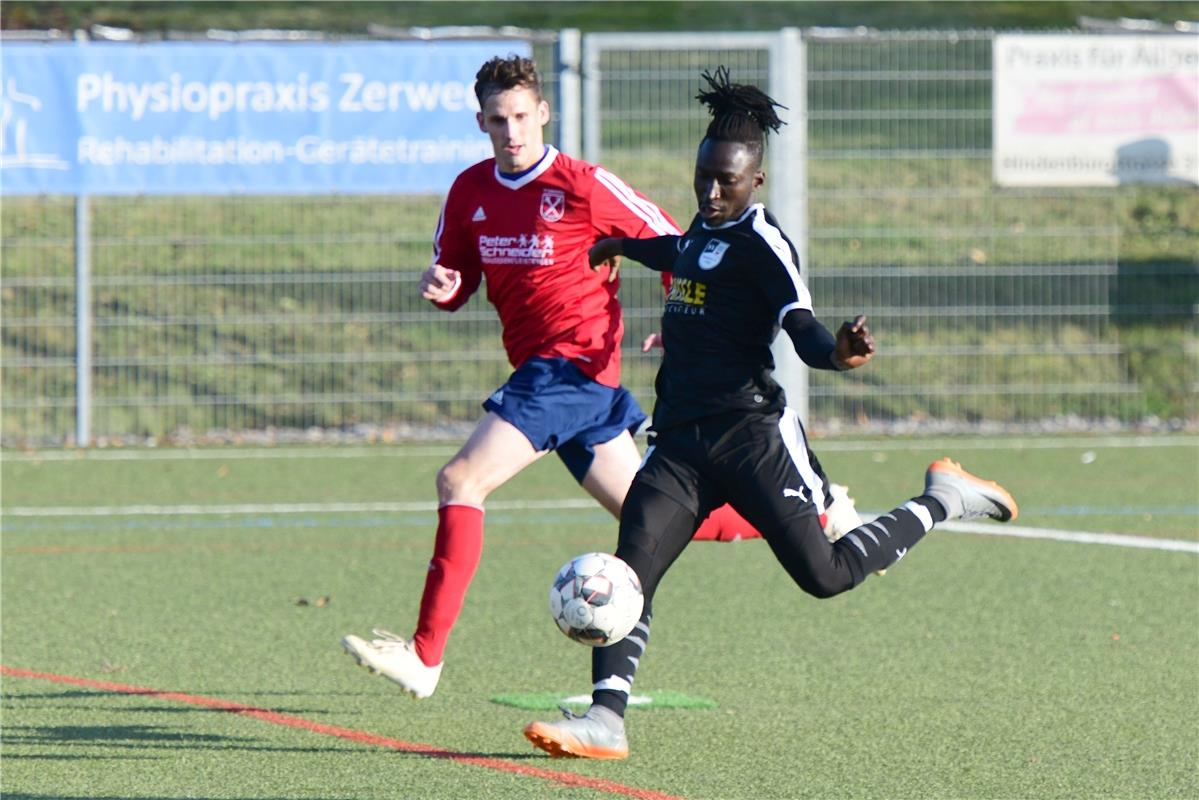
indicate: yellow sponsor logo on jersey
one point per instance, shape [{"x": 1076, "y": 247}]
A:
[{"x": 688, "y": 292}]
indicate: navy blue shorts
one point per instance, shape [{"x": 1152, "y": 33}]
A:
[{"x": 559, "y": 408}]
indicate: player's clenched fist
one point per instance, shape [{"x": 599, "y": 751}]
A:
[
  {"x": 855, "y": 344},
  {"x": 439, "y": 283}
]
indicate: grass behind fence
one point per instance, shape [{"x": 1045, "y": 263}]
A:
[{"x": 234, "y": 302}]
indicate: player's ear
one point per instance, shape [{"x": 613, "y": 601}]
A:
[
  {"x": 479, "y": 119},
  {"x": 759, "y": 179},
  {"x": 543, "y": 113}
]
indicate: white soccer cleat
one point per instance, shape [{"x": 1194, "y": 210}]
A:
[
  {"x": 841, "y": 516},
  {"x": 967, "y": 496},
  {"x": 395, "y": 658}
]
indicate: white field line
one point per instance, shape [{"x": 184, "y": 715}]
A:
[
  {"x": 413, "y": 506},
  {"x": 997, "y": 442},
  {"x": 1000, "y": 442},
  {"x": 991, "y": 529},
  {"x": 236, "y": 453},
  {"x": 1079, "y": 537}
]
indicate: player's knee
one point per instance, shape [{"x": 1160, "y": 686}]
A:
[
  {"x": 638, "y": 552},
  {"x": 457, "y": 482},
  {"x": 823, "y": 584}
]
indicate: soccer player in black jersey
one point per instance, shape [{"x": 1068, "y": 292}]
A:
[{"x": 721, "y": 430}]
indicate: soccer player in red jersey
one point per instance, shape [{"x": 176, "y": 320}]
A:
[{"x": 525, "y": 220}]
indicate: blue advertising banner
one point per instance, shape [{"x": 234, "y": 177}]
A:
[{"x": 176, "y": 118}]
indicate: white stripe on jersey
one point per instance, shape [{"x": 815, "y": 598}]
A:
[
  {"x": 774, "y": 239},
  {"x": 438, "y": 231},
  {"x": 643, "y": 208},
  {"x": 794, "y": 440},
  {"x": 437, "y": 255}
]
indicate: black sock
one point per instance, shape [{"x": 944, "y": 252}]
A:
[
  {"x": 879, "y": 544},
  {"x": 935, "y": 509},
  {"x": 614, "y": 667}
]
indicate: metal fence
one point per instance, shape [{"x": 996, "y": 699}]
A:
[{"x": 991, "y": 306}]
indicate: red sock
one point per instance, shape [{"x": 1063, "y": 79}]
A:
[
  {"x": 456, "y": 553},
  {"x": 725, "y": 525}
]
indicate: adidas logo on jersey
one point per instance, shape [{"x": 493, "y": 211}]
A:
[{"x": 479, "y": 216}]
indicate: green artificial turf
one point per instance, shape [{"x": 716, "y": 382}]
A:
[{"x": 979, "y": 667}]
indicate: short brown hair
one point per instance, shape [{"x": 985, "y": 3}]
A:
[{"x": 502, "y": 74}]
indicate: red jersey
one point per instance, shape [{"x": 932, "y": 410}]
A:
[{"x": 529, "y": 235}]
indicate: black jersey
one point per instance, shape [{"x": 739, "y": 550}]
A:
[{"x": 732, "y": 286}]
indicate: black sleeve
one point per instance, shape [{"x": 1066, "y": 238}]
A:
[
  {"x": 657, "y": 253},
  {"x": 812, "y": 340}
]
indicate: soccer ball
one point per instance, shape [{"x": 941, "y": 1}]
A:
[{"x": 596, "y": 599}]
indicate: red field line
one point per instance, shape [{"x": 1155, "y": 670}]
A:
[{"x": 360, "y": 737}]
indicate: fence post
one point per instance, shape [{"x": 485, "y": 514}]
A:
[
  {"x": 788, "y": 190},
  {"x": 591, "y": 100},
  {"x": 570, "y": 103},
  {"x": 83, "y": 321}
]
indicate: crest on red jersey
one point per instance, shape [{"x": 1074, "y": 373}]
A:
[{"x": 553, "y": 204}]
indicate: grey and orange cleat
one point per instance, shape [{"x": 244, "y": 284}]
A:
[
  {"x": 597, "y": 734},
  {"x": 967, "y": 496},
  {"x": 395, "y": 658}
]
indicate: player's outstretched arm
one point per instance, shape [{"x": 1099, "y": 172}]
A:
[{"x": 438, "y": 284}]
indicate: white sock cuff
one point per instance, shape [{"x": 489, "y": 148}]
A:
[
  {"x": 926, "y": 519},
  {"x": 613, "y": 683}
]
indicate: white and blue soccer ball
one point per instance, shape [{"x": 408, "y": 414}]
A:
[{"x": 596, "y": 599}]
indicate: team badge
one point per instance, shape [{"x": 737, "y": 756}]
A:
[
  {"x": 714, "y": 250},
  {"x": 553, "y": 204}
]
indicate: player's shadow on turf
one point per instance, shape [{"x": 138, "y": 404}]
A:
[
  {"x": 110, "y": 734},
  {"x": 140, "y": 738},
  {"x": 10, "y": 697}
]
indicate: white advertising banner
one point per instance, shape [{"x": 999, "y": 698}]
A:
[{"x": 1095, "y": 110}]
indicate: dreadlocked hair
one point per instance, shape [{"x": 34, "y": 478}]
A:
[{"x": 740, "y": 113}]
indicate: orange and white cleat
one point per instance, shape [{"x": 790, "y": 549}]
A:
[
  {"x": 597, "y": 734},
  {"x": 967, "y": 496}
]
